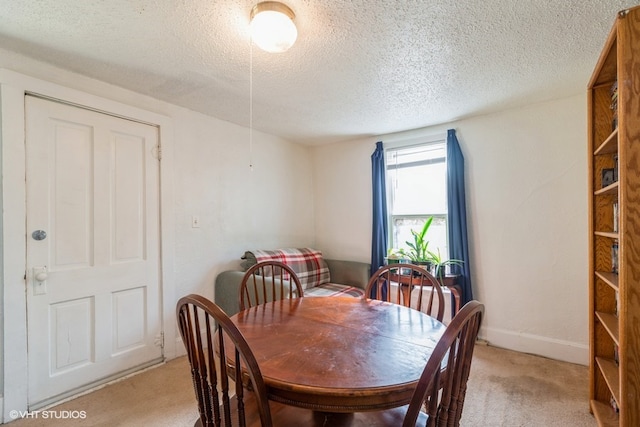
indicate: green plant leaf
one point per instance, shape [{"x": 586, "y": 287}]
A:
[{"x": 419, "y": 246}]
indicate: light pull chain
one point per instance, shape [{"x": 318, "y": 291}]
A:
[{"x": 250, "y": 104}]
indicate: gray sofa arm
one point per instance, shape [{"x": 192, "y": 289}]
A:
[
  {"x": 352, "y": 273},
  {"x": 225, "y": 293}
]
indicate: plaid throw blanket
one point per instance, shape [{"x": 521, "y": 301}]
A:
[
  {"x": 332, "y": 290},
  {"x": 308, "y": 263}
]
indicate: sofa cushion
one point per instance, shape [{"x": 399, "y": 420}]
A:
[{"x": 308, "y": 263}]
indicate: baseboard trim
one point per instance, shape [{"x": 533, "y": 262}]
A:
[
  {"x": 180, "y": 350},
  {"x": 535, "y": 344}
]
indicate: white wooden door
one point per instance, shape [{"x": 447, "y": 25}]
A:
[{"x": 93, "y": 283}]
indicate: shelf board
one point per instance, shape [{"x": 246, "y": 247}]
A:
[
  {"x": 609, "y": 278},
  {"x": 608, "y": 234},
  {"x": 611, "y": 375},
  {"x": 608, "y": 190},
  {"x": 610, "y": 323},
  {"x": 604, "y": 414},
  {"x": 609, "y": 146}
]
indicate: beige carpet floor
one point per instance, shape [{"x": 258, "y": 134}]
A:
[
  {"x": 512, "y": 389},
  {"x": 506, "y": 388}
]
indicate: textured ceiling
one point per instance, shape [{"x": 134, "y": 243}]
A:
[{"x": 359, "y": 67}]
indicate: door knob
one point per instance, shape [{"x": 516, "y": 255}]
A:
[{"x": 40, "y": 277}]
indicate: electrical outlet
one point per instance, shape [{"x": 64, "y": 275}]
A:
[{"x": 195, "y": 221}]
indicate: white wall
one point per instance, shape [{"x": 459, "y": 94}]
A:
[
  {"x": 527, "y": 213},
  {"x": 342, "y": 187},
  {"x": 239, "y": 209}
]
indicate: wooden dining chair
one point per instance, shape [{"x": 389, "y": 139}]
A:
[
  {"x": 268, "y": 281},
  {"x": 406, "y": 279},
  {"x": 223, "y": 402},
  {"x": 197, "y": 319},
  {"x": 444, "y": 397}
]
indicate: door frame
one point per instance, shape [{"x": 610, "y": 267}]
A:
[{"x": 13, "y": 261}]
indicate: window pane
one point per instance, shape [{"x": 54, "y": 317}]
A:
[
  {"x": 419, "y": 189},
  {"x": 437, "y": 234}
]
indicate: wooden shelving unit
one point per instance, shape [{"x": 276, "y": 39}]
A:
[{"x": 614, "y": 291}]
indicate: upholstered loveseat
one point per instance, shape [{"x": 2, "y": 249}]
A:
[{"x": 320, "y": 276}]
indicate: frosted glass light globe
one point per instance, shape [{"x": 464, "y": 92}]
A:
[{"x": 273, "y": 30}]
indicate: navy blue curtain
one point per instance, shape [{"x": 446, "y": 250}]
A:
[
  {"x": 458, "y": 243},
  {"x": 379, "y": 231}
]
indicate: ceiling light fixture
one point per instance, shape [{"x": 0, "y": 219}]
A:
[{"x": 272, "y": 27}]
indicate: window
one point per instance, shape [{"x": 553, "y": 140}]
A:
[{"x": 417, "y": 190}]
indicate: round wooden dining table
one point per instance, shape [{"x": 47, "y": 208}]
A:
[{"x": 339, "y": 354}]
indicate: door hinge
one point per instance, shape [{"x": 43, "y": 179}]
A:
[
  {"x": 159, "y": 341},
  {"x": 157, "y": 152}
]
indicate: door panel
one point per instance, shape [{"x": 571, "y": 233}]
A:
[
  {"x": 93, "y": 187},
  {"x": 128, "y": 305},
  {"x": 71, "y": 333},
  {"x": 127, "y": 193},
  {"x": 70, "y": 174}
]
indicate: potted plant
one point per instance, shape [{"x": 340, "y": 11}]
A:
[
  {"x": 440, "y": 264},
  {"x": 418, "y": 249},
  {"x": 395, "y": 256}
]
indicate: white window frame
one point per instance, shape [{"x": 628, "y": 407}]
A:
[{"x": 439, "y": 138}]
